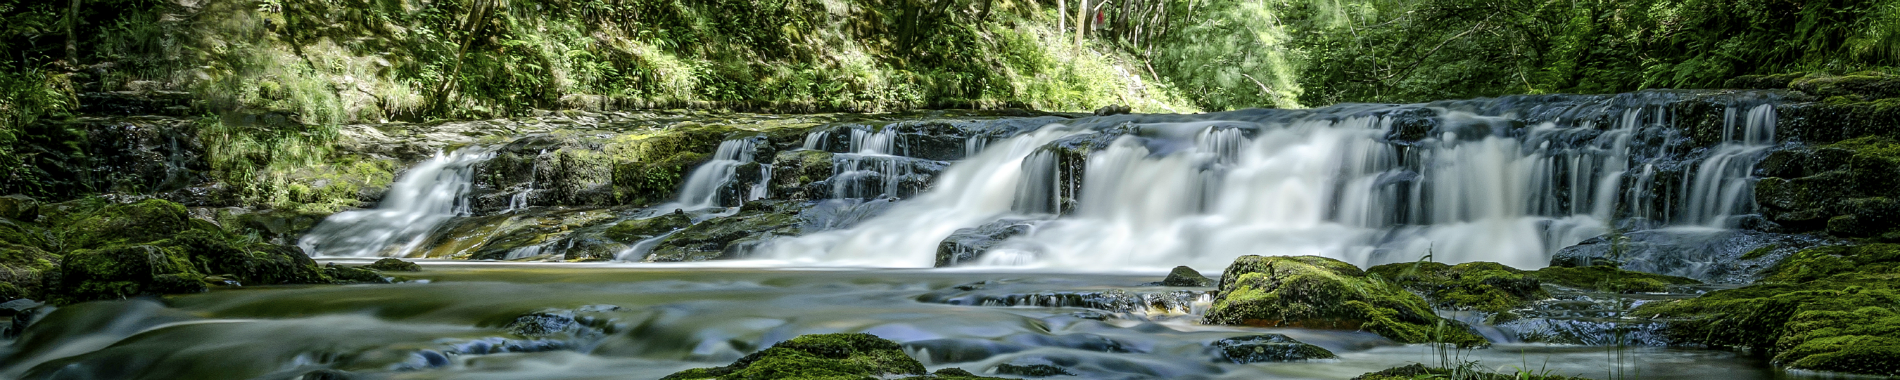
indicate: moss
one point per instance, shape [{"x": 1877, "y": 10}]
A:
[
  {"x": 95, "y": 222},
  {"x": 641, "y": 229},
  {"x": 123, "y": 272},
  {"x": 725, "y": 238},
  {"x": 393, "y": 265},
  {"x": 1482, "y": 286},
  {"x": 1420, "y": 371},
  {"x": 1828, "y": 308},
  {"x": 1317, "y": 292},
  {"x": 1609, "y": 279},
  {"x": 819, "y": 356}
]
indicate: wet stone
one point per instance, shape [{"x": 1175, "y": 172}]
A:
[
  {"x": 1032, "y": 370},
  {"x": 1268, "y": 348},
  {"x": 391, "y": 264}
]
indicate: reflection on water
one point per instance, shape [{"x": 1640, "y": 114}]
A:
[{"x": 576, "y": 322}]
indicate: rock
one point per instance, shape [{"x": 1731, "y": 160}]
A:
[
  {"x": 1823, "y": 309},
  {"x": 1481, "y": 286},
  {"x": 327, "y": 374},
  {"x": 1846, "y": 188},
  {"x": 1185, "y": 276},
  {"x": 1420, "y": 371},
  {"x": 1112, "y": 110},
  {"x": 393, "y": 264},
  {"x": 1609, "y": 279},
  {"x": 1268, "y": 348},
  {"x": 19, "y": 207},
  {"x": 847, "y": 355},
  {"x": 125, "y": 272},
  {"x": 1032, "y": 370},
  {"x": 729, "y": 237},
  {"x": 1318, "y": 292},
  {"x": 969, "y": 244},
  {"x": 794, "y": 171},
  {"x": 1713, "y": 256},
  {"x": 633, "y": 231},
  {"x": 1010, "y": 292},
  {"x": 352, "y": 275}
]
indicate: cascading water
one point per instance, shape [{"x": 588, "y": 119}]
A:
[
  {"x": 704, "y": 186},
  {"x": 1482, "y": 185},
  {"x": 425, "y": 196}
]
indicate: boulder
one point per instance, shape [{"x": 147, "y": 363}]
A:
[
  {"x": 1268, "y": 348},
  {"x": 1713, "y": 256},
  {"x": 847, "y": 355},
  {"x": 729, "y": 237},
  {"x": 969, "y": 244},
  {"x": 1318, "y": 292},
  {"x": 19, "y": 207}
]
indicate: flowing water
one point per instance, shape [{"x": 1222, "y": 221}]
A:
[
  {"x": 470, "y": 321},
  {"x": 1105, "y": 204}
]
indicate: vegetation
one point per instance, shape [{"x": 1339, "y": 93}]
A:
[{"x": 1482, "y": 286}]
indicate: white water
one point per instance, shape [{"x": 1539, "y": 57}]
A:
[
  {"x": 973, "y": 191},
  {"x": 703, "y": 186},
  {"x": 1317, "y": 187},
  {"x": 423, "y": 198}
]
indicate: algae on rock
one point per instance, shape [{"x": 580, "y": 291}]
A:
[
  {"x": 1825, "y": 309},
  {"x": 1481, "y": 286},
  {"x": 1318, "y": 292}
]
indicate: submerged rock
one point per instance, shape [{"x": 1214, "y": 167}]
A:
[
  {"x": 1831, "y": 308},
  {"x": 1268, "y": 348},
  {"x": 1032, "y": 370},
  {"x": 1318, "y": 292},
  {"x": 847, "y": 355},
  {"x": 1185, "y": 276},
  {"x": 969, "y": 244}
]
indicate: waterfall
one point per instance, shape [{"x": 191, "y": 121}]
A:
[
  {"x": 1501, "y": 182},
  {"x": 423, "y": 198},
  {"x": 703, "y": 187}
]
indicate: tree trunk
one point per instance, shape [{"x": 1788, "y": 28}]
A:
[
  {"x": 1062, "y": 16},
  {"x": 1081, "y": 22},
  {"x": 72, "y": 36}
]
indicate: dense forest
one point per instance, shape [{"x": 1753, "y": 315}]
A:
[{"x": 270, "y": 80}]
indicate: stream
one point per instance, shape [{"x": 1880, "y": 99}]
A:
[{"x": 618, "y": 321}]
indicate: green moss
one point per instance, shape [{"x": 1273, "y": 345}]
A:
[
  {"x": 722, "y": 238},
  {"x": 1420, "y": 371},
  {"x": 1828, "y": 308},
  {"x": 393, "y": 265},
  {"x": 1609, "y": 279},
  {"x": 95, "y": 222},
  {"x": 1482, "y": 286},
  {"x": 641, "y": 229},
  {"x": 819, "y": 356},
  {"x": 1317, "y": 292}
]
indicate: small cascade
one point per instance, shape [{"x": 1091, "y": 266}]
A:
[
  {"x": 423, "y": 198},
  {"x": 708, "y": 181},
  {"x": 523, "y": 199},
  {"x": 1721, "y": 186}
]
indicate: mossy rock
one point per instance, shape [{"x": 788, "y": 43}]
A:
[
  {"x": 1609, "y": 279},
  {"x": 818, "y": 356},
  {"x": 727, "y": 237},
  {"x": 632, "y": 231},
  {"x": 1831, "y": 308},
  {"x": 1185, "y": 276},
  {"x": 1420, "y": 371},
  {"x": 97, "y": 222},
  {"x": 1860, "y": 86},
  {"x": 19, "y": 207},
  {"x": 1481, "y": 286},
  {"x": 124, "y": 272},
  {"x": 1318, "y": 292},
  {"x": 393, "y": 265},
  {"x": 1268, "y": 348}
]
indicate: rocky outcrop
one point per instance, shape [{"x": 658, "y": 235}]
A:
[
  {"x": 112, "y": 248},
  {"x": 1824, "y": 309},
  {"x": 729, "y": 237},
  {"x": 1185, "y": 276},
  {"x": 1268, "y": 348},
  {"x": 1714, "y": 256},
  {"x": 1317, "y": 292}
]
